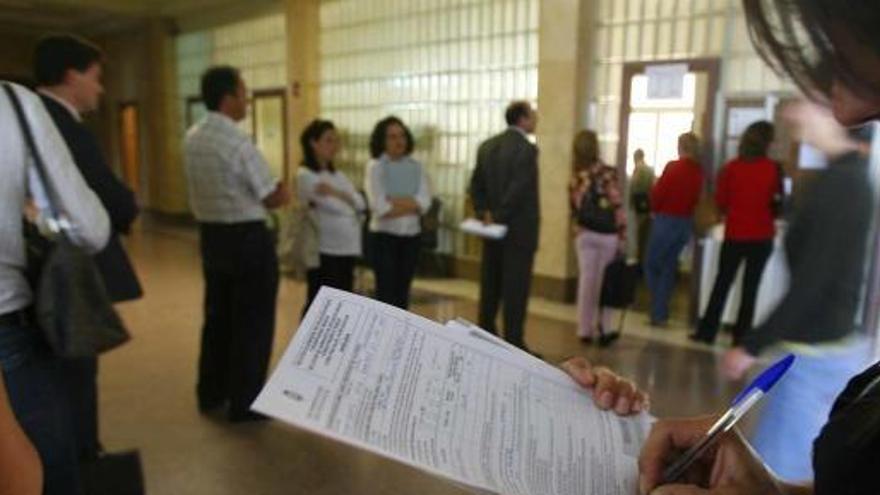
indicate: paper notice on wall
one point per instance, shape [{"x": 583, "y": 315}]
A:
[
  {"x": 448, "y": 401},
  {"x": 666, "y": 81}
]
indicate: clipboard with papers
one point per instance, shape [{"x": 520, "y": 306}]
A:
[{"x": 451, "y": 400}]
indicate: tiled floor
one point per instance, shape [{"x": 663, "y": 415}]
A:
[{"x": 147, "y": 398}]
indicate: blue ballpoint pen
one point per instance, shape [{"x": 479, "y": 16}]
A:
[{"x": 741, "y": 404}]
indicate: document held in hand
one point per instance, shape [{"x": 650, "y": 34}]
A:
[
  {"x": 450, "y": 400},
  {"x": 489, "y": 231}
]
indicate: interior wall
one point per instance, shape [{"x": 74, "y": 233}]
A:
[
  {"x": 139, "y": 69},
  {"x": 657, "y": 30},
  {"x": 448, "y": 69},
  {"x": 16, "y": 55}
]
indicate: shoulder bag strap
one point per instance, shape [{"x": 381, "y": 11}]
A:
[{"x": 35, "y": 154}]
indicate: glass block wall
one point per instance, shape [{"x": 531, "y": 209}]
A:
[
  {"x": 258, "y": 47},
  {"x": 448, "y": 68},
  {"x": 646, "y": 30}
]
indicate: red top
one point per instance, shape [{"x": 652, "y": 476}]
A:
[
  {"x": 745, "y": 193},
  {"x": 678, "y": 190}
]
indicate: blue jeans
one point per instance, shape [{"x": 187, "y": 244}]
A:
[
  {"x": 795, "y": 410},
  {"x": 34, "y": 381},
  {"x": 669, "y": 235}
]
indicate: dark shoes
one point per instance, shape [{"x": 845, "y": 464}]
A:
[
  {"x": 247, "y": 417},
  {"x": 606, "y": 339},
  {"x": 658, "y": 323},
  {"x": 701, "y": 339},
  {"x": 213, "y": 408},
  {"x": 208, "y": 406}
]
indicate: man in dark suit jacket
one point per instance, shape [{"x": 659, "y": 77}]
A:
[
  {"x": 504, "y": 190},
  {"x": 68, "y": 71}
]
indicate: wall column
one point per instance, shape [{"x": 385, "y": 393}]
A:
[
  {"x": 304, "y": 70},
  {"x": 166, "y": 182},
  {"x": 564, "y": 59}
]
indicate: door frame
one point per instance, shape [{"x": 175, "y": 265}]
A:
[
  {"x": 712, "y": 67},
  {"x": 272, "y": 93},
  {"x": 142, "y": 185}
]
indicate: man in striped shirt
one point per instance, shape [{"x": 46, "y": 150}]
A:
[{"x": 230, "y": 189}]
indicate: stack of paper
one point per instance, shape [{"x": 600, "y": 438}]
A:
[
  {"x": 451, "y": 400},
  {"x": 489, "y": 231}
]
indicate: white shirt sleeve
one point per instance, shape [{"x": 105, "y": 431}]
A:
[
  {"x": 376, "y": 196},
  {"x": 305, "y": 187},
  {"x": 89, "y": 224},
  {"x": 359, "y": 203},
  {"x": 255, "y": 171},
  {"x": 310, "y": 198}
]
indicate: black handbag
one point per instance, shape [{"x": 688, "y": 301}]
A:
[
  {"x": 619, "y": 284},
  {"x": 113, "y": 474},
  {"x": 71, "y": 304}
]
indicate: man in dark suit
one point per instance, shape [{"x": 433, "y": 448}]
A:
[
  {"x": 504, "y": 190},
  {"x": 68, "y": 72}
]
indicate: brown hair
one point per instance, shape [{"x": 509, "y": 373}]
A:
[
  {"x": 797, "y": 38},
  {"x": 689, "y": 144},
  {"x": 584, "y": 150},
  {"x": 756, "y": 140}
]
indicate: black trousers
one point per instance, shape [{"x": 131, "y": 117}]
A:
[
  {"x": 755, "y": 255},
  {"x": 241, "y": 287},
  {"x": 80, "y": 381},
  {"x": 334, "y": 271},
  {"x": 395, "y": 259},
  {"x": 506, "y": 278}
]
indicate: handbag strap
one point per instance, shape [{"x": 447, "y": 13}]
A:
[{"x": 34, "y": 152}]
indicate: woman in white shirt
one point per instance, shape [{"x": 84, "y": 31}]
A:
[
  {"x": 335, "y": 206},
  {"x": 398, "y": 192}
]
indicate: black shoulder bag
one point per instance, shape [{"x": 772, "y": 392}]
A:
[
  {"x": 595, "y": 215},
  {"x": 71, "y": 305}
]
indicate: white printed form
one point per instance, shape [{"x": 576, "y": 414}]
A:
[{"x": 439, "y": 399}]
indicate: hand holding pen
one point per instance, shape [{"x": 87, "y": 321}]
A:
[{"x": 705, "y": 456}]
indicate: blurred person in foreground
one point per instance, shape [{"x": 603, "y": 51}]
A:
[
  {"x": 831, "y": 48},
  {"x": 33, "y": 374}
]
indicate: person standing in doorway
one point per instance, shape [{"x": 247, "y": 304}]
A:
[
  {"x": 68, "y": 72},
  {"x": 673, "y": 200},
  {"x": 745, "y": 193},
  {"x": 504, "y": 190},
  {"x": 398, "y": 192},
  {"x": 230, "y": 189},
  {"x": 640, "y": 201}
]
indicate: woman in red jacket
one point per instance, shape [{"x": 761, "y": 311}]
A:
[{"x": 746, "y": 190}]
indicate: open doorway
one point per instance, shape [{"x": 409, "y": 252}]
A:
[
  {"x": 129, "y": 145},
  {"x": 661, "y": 100},
  {"x": 269, "y": 117},
  {"x": 653, "y": 123}
]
